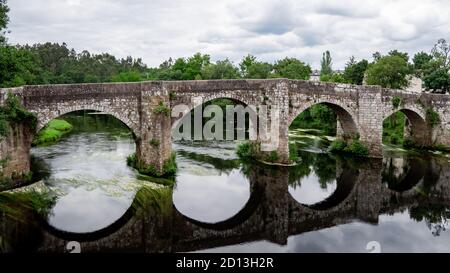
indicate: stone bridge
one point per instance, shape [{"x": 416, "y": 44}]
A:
[
  {"x": 360, "y": 109},
  {"x": 270, "y": 214}
]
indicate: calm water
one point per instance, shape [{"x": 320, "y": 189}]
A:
[{"x": 219, "y": 204}]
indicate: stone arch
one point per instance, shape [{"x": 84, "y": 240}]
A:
[
  {"x": 235, "y": 96},
  {"x": 418, "y": 128},
  {"x": 346, "y": 117},
  {"x": 45, "y": 117}
]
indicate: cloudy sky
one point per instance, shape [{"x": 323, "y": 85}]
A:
[{"x": 269, "y": 29}]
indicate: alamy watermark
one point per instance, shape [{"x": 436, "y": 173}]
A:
[{"x": 260, "y": 123}]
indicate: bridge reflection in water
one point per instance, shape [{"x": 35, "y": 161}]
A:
[{"x": 153, "y": 223}]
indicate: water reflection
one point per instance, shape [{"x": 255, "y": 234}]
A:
[{"x": 220, "y": 204}]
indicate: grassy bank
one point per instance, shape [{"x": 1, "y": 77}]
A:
[{"x": 53, "y": 132}]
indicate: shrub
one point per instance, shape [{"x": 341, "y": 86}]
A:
[
  {"x": 169, "y": 167},
  {"x": 354, "y": 148},
  {"x": 337, "y": 146},
  {"x": 432, "y": 117},
  {"x": 13, "y": 112},
  {"x": 272, "y": 156},
  {"x": 245, "y": 150},
  {"x": 357, "y": 148},
  {"x": 162, "y": 109}
]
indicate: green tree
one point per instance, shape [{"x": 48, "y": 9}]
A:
[
  {"x": 17, "y": 67},
  {"x": 220, "y": 70},
  {"x": 292, "y": 68},
  {"x": 354, "y": 71},
  {"x": 253, "y": 69},
  {"x": 195, "y": 65},
  {"x": 245, "y": 64},
  {"x": 389, "y": 71},
  {"x": 421, "y": 62},
  {"x": 129, "y": 76},
  {"x": 437, "y": 80},
  {"x": 436, "y": 71},
  {"x": 326, "y": 65},
  {"x": 4, "y": 19}
]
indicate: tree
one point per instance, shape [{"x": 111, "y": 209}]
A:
[
  {"x": 17, "y": 67},
  {"x": 195, "y": 65},
  {"x": 376, "y": 56},
  {"x": 129, "y": 76},
  {"x": 421, "y": 62},
  {"x": 354, "y": 71},
  {"x": 403, "y": 55},
  {"x": 326, "y": 65},
  {"x": 292, "y": 68},
  {"x": 438, "y": 81},
  {"x": 247, "y": 61},
  {"x": 389, "y": 71},
  {"x": 4, "y": 19},
  {"x": 253, "y": 69},
  {"x": 220, "y": 70},
  {"x": 441, "y": 53},
  {"x": 436, "y": 71}
]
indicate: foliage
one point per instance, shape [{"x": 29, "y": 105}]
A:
[
  {"x": 437, "y": 80},
  {"x": 432, "y": 117},
  {"x": 319, "y": 117},
  {"x": 354, "y": 71},
  {"x": 128, "y": 76},
  {"x": 293, "y": 152},
  {"x": 13, "y": 112},
  {"x": 162, "y": 109},
  {"x": 421, "y": 62},
  {"x": 53, "y": 132},
  {"x": 396, "y": 102},
  {"x": 337, "y": 146},
  {"x": 272, "y": 157},
  {"x": 4, "y": 19},
  {"x": 393, "y": 129},
  {"x": 169, "y": 168},
  {"x": 436, "y": 75},
  {"x": 220, "y": 70},
  {"x": 326, "y": 65},
  {"x": 13, "y": 204},
  {"x": 292, "y": 68},
  {"x": 18, "y": 67},
  {"x": 355, "y": 148},
  {"x": 245, "y": 150},
  {"x": 389, "y": 72},
  {"x": 158, "y": 199},
  {"x": 53, "y": 63}
]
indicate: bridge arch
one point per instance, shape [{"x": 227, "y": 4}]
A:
[
  {"x": 417, "y": 128},
  {"x": 346, "y": 117},
  {"x": 45, "y": 117},
  {"x": 189, "y": 106}
]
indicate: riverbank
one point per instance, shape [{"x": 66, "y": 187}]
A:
[{"x": 53, "y": 132}]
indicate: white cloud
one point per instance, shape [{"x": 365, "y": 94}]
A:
[{"x": 270, "y": 29}]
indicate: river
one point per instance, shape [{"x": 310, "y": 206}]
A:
[{"x": 220, "y": 204}]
